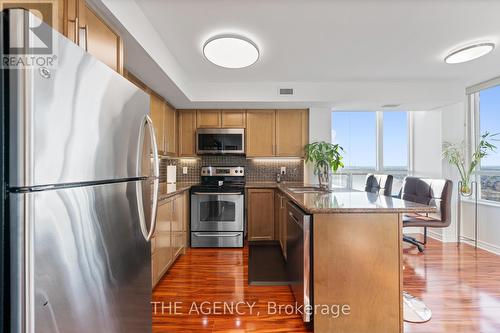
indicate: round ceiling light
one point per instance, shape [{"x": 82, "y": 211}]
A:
[
  {"x": 231, "y": 51},
  {"x": 469, "y": 53}
]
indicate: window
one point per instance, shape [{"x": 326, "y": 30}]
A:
[
  {"x": 374, "y": 142},
  {"x": 489, "y": 121},
  {"x": 356, "y": 133},
  {"x": 395, "y": 128}
]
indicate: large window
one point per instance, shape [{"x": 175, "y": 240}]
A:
[
  {"x": 489, "y": 121},
  {"x": 356, "y": 133},
  {"x": 374, "y": 142}
]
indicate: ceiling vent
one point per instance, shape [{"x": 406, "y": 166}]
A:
[
  {"x": 391, "y": 105},
  {"x": 285, "y": 91}
]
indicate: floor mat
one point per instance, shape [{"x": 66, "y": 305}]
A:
[{"x": 266, "y": 265}]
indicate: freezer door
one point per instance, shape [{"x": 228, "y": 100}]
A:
[
  {"x": 77, "y": 122},
  {"x": 80, "y": 261}
]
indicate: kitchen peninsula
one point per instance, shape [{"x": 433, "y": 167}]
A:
[{"x": 356, "y": 244}]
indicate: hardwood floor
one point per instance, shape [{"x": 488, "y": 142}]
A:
[{"x": 461, "y": 286}]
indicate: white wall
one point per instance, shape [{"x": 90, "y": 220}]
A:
[
  {"x": 426, "y": 143},
  {"x": 320, "y": 129}
]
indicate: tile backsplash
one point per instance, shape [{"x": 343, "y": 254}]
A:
[{"x": 256, "y": 169}]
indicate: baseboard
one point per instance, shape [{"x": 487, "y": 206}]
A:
[
  {"x": 435, "y": 235},
  {"x": 495, "y": 249}
]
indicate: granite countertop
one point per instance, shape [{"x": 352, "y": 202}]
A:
[
  {"x": 348, "y": 201},
  {"x": 170, "y": 190}
]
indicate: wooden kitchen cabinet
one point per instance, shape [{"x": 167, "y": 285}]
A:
[
  {"x": 280, "y": 220},
  {"x": 291, "y": 132},
  {"x": 170, "y": 237},
  {"x": 132, "y": 78},
  {"x": 187, "y": 133},
  {"x": 100, "y": 40},
  {"x": 178, "y": 235},
  {"x": 260, "y": 206},
  {"x": 162, "y": 246},
  {"x": 208, "y": 118},
  {"x": 157, "y": 113},
  {"x": 170, "y": 128},
  {"x": 233, "y": 118},
  {"x": 260, "y": 133}
]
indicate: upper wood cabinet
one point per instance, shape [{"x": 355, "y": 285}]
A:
[
  {"x": 170, "y": 128},
  {"x": 260, "y": 133},
  {"x": 100, "y": 40},
  {"x": 209, "y": 118},
  {"x": 157, "y": 113},
  {"x": 50, "y": 11},
  {"x": 260, "y": 205},
  {"x": 291, "y": 132},
  {"x": 132, "y": 78},
  {"x": 187, "y": 133},
  {"x": 233, "y": 118}
]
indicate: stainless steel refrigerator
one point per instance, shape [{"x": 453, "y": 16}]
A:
[{"x": 80, "y": 186}]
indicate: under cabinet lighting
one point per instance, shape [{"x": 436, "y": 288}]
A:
[
  {"x": 469, "y": 53},
  {"x": 278, "y": 159}
]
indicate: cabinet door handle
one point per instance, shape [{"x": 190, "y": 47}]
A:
[{"x": 83, "y": 37}]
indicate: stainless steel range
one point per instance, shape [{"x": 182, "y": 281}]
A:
[{"x": 217, "y": 208}]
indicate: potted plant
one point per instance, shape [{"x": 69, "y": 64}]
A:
[
  {"x": 325, "y": 157},
  {"x": 454, "y": 154}
]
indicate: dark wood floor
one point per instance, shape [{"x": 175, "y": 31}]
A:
[{"x": 460, "y": 285}]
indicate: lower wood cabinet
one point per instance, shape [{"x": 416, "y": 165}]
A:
[
  {"x": 169, "y": 240},
  {"x": 281, "y": 219},
  {"x": 260, "y": 207}
]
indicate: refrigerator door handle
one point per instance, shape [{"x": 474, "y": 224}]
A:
[{"x": 156, "y": 187}]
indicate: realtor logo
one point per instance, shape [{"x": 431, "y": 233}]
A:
[{"x": 28, "y": 41}]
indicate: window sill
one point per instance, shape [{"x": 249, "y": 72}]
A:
[{"x": 483, "y": 202}]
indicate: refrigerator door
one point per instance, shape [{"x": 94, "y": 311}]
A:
[
  {"x": 77, "y": 122},
  {"x": 81, "y": 262}
]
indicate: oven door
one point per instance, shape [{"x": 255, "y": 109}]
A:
[
  {"x": 220, "y": 141},
  {"x": 217, "y": 212}
]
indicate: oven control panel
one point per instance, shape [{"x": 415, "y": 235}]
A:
[{"x": 223, "y": 171}]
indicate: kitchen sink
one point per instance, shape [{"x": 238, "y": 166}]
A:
[{"x": 309, "y": 189}]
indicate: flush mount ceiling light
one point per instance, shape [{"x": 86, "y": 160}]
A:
[
  {"x": 231, "y": 51},
  {"x": 469, "y": 53}
]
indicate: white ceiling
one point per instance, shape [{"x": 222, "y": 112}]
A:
[{"x": 343, "y": 54}]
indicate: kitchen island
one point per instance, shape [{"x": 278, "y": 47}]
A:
[{"x": 356, "y": 262}]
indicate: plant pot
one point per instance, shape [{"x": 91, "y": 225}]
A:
[
  {"x": 465, "y": 189},
  {"x": 324, "y": 179}
]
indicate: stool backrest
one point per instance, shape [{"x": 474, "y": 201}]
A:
[
  {"x": 381, "y": 184},
  {"x": 433, "y": 192}
]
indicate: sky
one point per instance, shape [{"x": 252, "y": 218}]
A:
[
  {"x": 356, "y": 133},
  {"x": 489, "y": 113}
]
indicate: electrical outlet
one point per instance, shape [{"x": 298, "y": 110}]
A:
[
  {"x": 283, "y": 170},
  {"x": 184, "y": 170}
]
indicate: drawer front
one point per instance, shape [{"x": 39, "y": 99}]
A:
[{"x": 217, "y": 239}]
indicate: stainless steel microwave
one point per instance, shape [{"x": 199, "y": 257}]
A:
[{"x": 220, "y": 141}]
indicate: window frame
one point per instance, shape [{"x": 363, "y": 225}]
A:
[
  {"x": 472, "y": 133},
  {"x": 379, "y": 149}
]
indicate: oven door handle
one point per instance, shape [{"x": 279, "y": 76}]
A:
[
  {"x": 217, "y": 193},
  {"x": 216, "y": 235}
]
